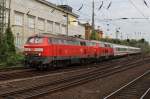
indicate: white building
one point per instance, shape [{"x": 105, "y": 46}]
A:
[{"x": 30, "y": 17}]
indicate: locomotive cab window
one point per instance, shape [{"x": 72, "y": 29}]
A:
[{"x": 35, "y": 40}]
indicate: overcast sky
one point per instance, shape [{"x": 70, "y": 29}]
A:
[{"x": 131, "y": 28}]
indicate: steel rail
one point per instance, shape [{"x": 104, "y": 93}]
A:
[
  {"x": 144, "y": 95},
  {"x": 67, "y": 82},
  {"x": 130, "y": 83}
]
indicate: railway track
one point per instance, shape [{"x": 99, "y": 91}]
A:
[
  {"x": 139, "y": 88},
  {"x": 25, "y": 73},
  {"x": 146, "y": 95},
  {"x": 37, "y": 89}
]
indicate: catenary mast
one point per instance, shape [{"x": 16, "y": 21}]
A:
[
  {"x": 93, "y": 16},
  {"x": 2, "y": 17}
]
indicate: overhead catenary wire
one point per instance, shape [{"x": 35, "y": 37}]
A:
[
  {"x": 109, "y": 5},
  {"x": 145, "y": 3},
  {"x": 139, "y": 10},
  {"x": 101, "y": 5},
  {"x": 80, "y": 8}
]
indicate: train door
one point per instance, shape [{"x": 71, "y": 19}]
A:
[{"x": 83, "y": 47}]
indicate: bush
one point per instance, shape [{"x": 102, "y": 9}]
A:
[{"x": 14, "y": 59}]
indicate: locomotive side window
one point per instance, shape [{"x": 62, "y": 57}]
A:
[
  {"x": 82, "y": 43},
  {"x": 57, "y": 41},
  {"x": 49, "y": 40},
  {"x": 70, "y": 42},
  {"x": 60, "y": 41},
  {"x": 75, "y": 42},
  {"x": 101, "y": 45},
  {"x": 93, "y": 44},
  {"x": 35, "y": 40},
  {"x": 88, "y": 43},
  {"x": 108, "y": 45}
]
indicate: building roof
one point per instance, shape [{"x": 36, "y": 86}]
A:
[{"x": 56, "y": 7}]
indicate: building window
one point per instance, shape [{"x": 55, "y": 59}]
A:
[
  {"x": 41, "y": 24},
  {"x": 49, "y": 26},
  {"x": 7, "y": 12},
  {"x": 64, "y": 29},
  {"x": 19, "y": 19},
  {"x": 57, "y": 27},
  {"x": 31, "y": 22}
]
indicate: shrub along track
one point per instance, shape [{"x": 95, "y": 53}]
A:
[
  {"x": 34, "y": 87},
  {"x": 136, "y": 89}
]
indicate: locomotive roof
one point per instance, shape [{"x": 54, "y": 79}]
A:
[
  {"x": 78, "y": 39},
  {"x": 59, "y": 36}
]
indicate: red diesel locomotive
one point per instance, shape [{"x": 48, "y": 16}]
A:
[{"x": 46, "y": 50}]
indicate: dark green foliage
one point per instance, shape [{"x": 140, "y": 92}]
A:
[
  {"x": 14, "y": 59},
  {"x": 10, "y": 41},
  {"x": 3, "y": 47},
  {"x": 8, "y": 56},
  {"x": 94, "y": 36}
]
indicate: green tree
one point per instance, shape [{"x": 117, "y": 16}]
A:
[
  {"x": 9, "y": 38},
  {"x": 8, "y": 54},
  {"x": 94, "y": 36},
  {"x": 3, "y": 50}
]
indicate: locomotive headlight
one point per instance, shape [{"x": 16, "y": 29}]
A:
[
  {"x": 39, "y": 54},
  {"x": 38, "y": 49}
]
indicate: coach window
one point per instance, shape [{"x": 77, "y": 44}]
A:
[{"x": 117, "y": 49}]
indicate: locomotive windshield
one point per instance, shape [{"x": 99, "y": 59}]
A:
[{"x": 35, "y": 40}]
